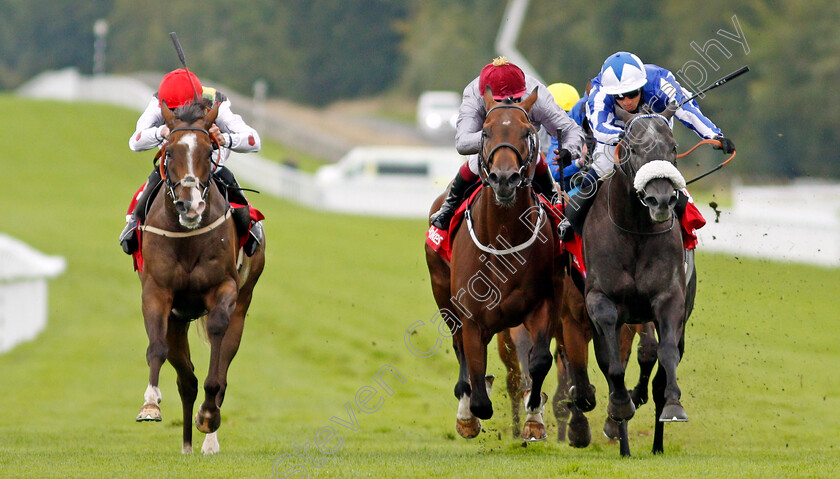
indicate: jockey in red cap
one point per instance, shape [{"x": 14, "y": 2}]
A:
[
  {"x": 180, "y": 88},
  {"x": 509, "y": 84}
]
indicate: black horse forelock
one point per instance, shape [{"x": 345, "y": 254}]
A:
[{"x": 191, "y": 113}]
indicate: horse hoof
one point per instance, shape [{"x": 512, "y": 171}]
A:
[
  {"x": 621, "y": 411},
  {"x": 579, "y": 433},
  {"x": 639, "y": 397},
  {"x": 207, "y": 422},
  {"x": 469, "y": 428},
  {"x": 186, "y": 449},
  {"x": 149, "y": 412},
  {"x": 673, "y": 413},
  {"x": 534, "y": 431},
  {"x": 586, "y": 401},
  {"x": 611, "y": 430}
]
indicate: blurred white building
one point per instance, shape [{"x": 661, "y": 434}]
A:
[{"x": 23, "y": 290}]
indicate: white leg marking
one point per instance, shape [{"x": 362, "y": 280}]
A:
[
  {"x": 535, "y": 415},
  {"x": 464, "y": 413},
  {"x": 152, "y": 395},
  {"x": 186, "y": 448},
  {"x": 211, "y": 444}
]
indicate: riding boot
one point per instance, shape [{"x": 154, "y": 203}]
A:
[
  {"x": 544, "y": 185},
  {"x": 128, "y": 237},
  {"x": 443, "y": 216},
  {"x": 241, "y": 215},
  {"x": 580, "y": 199}
]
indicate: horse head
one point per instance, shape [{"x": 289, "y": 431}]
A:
[
  {"x": 185, "y": 166},
  {"x": 649, "y": 152},
  {"x": 508, "y": 146}
]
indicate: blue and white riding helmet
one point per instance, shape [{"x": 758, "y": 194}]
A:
[{"x": 622, "y": 72}]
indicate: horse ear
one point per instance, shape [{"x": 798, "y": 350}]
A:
[
  {"x": 211, "y": 116},
  {"x": 623, "y": 115},
  {"x": 670, "y": 110},
  {"x": 168, "y": 116},
  {"x": 528, "y": 102},
  {"x": 489, "y": 102}
]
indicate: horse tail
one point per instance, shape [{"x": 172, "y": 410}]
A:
[{"x": 201, "y": 328}]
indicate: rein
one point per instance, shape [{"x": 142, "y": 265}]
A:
[{"x": 707, "y": 142}]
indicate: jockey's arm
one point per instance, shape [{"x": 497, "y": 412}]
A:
[
  {"x": 238, "y": 135},
  {"x": 149, "y": 132},
  {"x": 601, "y": 117},
  {"x": 689, "y": 114},
  {"x": 471, "y": 115},
  {"x": 549, "y": 114}
]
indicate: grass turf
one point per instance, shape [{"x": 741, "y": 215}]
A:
[{"x": 759, "y": 379}]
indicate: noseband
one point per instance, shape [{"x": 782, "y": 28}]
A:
[
  {"x": 188, "y": 181},
  {"x": 523, "y": 161}
]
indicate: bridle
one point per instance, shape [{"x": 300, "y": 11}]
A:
[
  {"x": 188, "y": 181},
  {"x": 632, "y": 175},
  {"x": 523, "y": 160}
]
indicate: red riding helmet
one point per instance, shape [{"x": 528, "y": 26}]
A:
[
  {"x": 504, "y": 78},
  {"x": 178, "y": 88}
]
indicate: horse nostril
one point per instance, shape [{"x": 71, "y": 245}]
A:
[
  {"x": 651, "y": 201},
  {"x": 514, "y": 179},
  {"x": 182, "y": 207},
  {"x": 493, "y": 178},
  {"x": 672, "y": 201}
]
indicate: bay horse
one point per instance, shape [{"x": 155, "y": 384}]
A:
[
  {"x": 635, "y": 260},
  {"x": 490, "y": 285},
  {"x": 190, "y": 249}
]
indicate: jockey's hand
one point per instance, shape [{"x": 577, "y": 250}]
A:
[
  {"x": 725, "y": 144},
  {"x": 217, "y": 134},
  {"x": 164, "y": 132},
  {"x": 563, "y": 157}
]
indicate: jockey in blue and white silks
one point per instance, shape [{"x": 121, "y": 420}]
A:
[
  {"x": 624, "y": 73},
  {"x": 627, "y": 83}
]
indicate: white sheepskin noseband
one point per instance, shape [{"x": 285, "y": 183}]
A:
[{"x": 658, "y": 169}]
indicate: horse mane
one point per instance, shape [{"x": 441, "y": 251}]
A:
[{"x": 191, "y": 112}]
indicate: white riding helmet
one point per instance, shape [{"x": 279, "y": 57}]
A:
[{"x": 622, "y": 72}]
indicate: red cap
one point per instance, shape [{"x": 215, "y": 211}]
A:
[
  {"x": 503, "y": 77},
  {"x": 175, "y": 88}
]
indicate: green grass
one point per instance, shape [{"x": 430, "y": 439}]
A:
[{"x": 759, "y": 379}]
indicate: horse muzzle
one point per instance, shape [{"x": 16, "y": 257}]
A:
[
  {"x": 189, "y": 212},
  {"x": 660, "y": 197},
  {"x": 504, "y": 186}
]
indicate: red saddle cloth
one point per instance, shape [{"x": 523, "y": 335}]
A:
[
  {"x": 440, "y": 240},
  {"x": 254, "y": 213}
]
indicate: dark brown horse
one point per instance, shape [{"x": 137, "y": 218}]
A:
[
  {"x": 190, "y": 250},
  {"x": 500, "y": 275},
  {"x": 635, "y": 261}
]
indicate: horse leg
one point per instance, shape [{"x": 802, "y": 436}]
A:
[
  {"x": 605, "y": 316},
  {"x": 209, "y": 418},
  {"x": 156, "y": 305},
  {"x": 671, "y": 315},
  {"x": 508, "y": 352},
  {"x": 539, "y": 326},
  {"x": 646, "y": 355},
  {"x": 179, "y": 357},
  {"x": 658, "y": 386},
  {"x": 475, "y": 354},
  {"x": 560, "y": 402}
]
